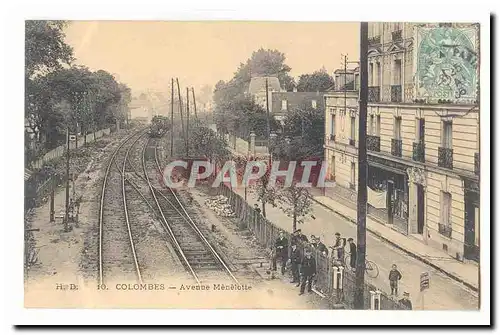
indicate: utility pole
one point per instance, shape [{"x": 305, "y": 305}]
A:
[
  {"x": 66, "y": 215},
  {"x": 268, "y": 123},
  {"x": 267, "y": 110},
  {"x": 345, "y": 84},
  {"x": 194, "y": 103},
  {"x": 172, "y": 121},
  {"x": 187, "y": 122},
  {"x": 362, "y": 170},
  {"x": 180, "y": 108}
]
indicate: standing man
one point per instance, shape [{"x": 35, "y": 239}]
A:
[
  {"x": 280, "y": 251},
  {"x": 406, "y": 301},
  {"x": 295, "y": 259},
  {"x": 308, "y": 271},
  {"x": 352, "y": 252},
  {"x": 299, "y": 238},
  {"x": 339, "y": 247},
  {"x": 321, "y": 247},
  {"x": 394, "y": 277}
]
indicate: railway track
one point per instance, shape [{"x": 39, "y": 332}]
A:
[
  {"x": 117, "y": 257},
  {"x": 196, "y": 252}
]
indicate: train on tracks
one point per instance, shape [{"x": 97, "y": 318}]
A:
[{"x": 159, "y": 126}]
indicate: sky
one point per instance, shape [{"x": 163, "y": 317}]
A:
[{"x": 146, "y": 54}]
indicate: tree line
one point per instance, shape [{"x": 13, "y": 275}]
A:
[
  {"x": 237, "y": 113},
  {"x": 60, "y": 95}
]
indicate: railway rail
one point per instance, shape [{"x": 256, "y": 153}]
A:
[
  {"x": 196, "y": 253},
  {"x": 118, "y": 244}
]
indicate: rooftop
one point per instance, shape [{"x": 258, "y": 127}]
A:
[{"x": 258, "y": 84}]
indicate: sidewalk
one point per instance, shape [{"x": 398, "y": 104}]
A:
[{"x": 466, "y": 273}]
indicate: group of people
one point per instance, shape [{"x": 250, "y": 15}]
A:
[{"x": 303, "y": 266}]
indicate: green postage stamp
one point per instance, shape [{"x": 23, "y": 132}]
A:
[{"x": 447, "y": 64}]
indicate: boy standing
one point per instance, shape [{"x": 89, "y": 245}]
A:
[{"x": 394, "y": 277}]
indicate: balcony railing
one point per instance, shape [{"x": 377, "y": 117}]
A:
[
  {"x": 373, "y": 143},
  {"x": 397, "y": 35},
  {"x": 419, "y": 151},
  {"x": 374, "y": 94},
  {"x": 445, "y": 230},
  {"x": 374, "y": 40},
  {"x": 477, "y": 168},
  {"x": 396, "y": 147},
  {"x": 445, "y": 158},
  {"x": 396, "y": 93},
  {"x": 352, "y": 142},
  {"x": 332, "y": 137}
]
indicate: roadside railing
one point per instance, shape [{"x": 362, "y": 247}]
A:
[{"x": 267, "y": 233}]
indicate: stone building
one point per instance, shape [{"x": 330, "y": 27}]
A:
[{"x": 423, "y": 131}]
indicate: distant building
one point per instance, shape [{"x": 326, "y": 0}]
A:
[
  {"x": 346, "y": 77},
  {"x": 423, "y": 131},
  {"x": 257, "y": 89},
  {"x": 284, "y": 102}
]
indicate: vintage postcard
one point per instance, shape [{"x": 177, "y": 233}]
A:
[{"x": 253, "y": 165}]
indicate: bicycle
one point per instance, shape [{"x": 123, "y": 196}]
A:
[{"x": 371, "y": 268}]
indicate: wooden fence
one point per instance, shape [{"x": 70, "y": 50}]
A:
[{"x": 59, "y": 151}]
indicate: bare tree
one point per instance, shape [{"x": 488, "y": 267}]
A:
[
  {"x": 296, "y": 203},
  {"x": 265, "y": 194}
]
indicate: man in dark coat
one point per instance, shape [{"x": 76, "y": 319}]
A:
[
  {"x": 353, "y": 251},
  {"x": 299, "y": 238},
  {"x": 406, "y": 301},
  {"x": 308, "y": 271},
  {"x": 339, "y": 247},
  {"x": 280, "y": 251},
  {"x": 321, "y": 247},
  {"x": 295, "y": 259}
]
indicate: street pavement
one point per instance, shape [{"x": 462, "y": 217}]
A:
[{"x": 443, "y": 293}]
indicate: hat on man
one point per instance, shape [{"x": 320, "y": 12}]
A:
[
  {"x": 406, "y": 294},
  {"x": 337, "y": 234},
  {"x": 350, "y": 239}
]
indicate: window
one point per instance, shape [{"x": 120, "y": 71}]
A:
[
  {"x": 419, "y": 130},
  {"x": 396, "y": 79},
  {"x": 332, "y": 124},
  {"x": 378, "y": 126},
  {"x": 371, "y": 130},
  {"x": 447, "y": 135},
  {"x": 353, "y": 127},
  {"x": 370, "y": 75},
  {"x": 332, "y": 167},
  {"x": 353, "y": 175},
  {"x": 313, "y": 103},
  {"x": 397, "y": 128},
  {"x": 284, "y": 105},
  {"x": 446, "y": 209},
  {"x": 377, "y": 75}
]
